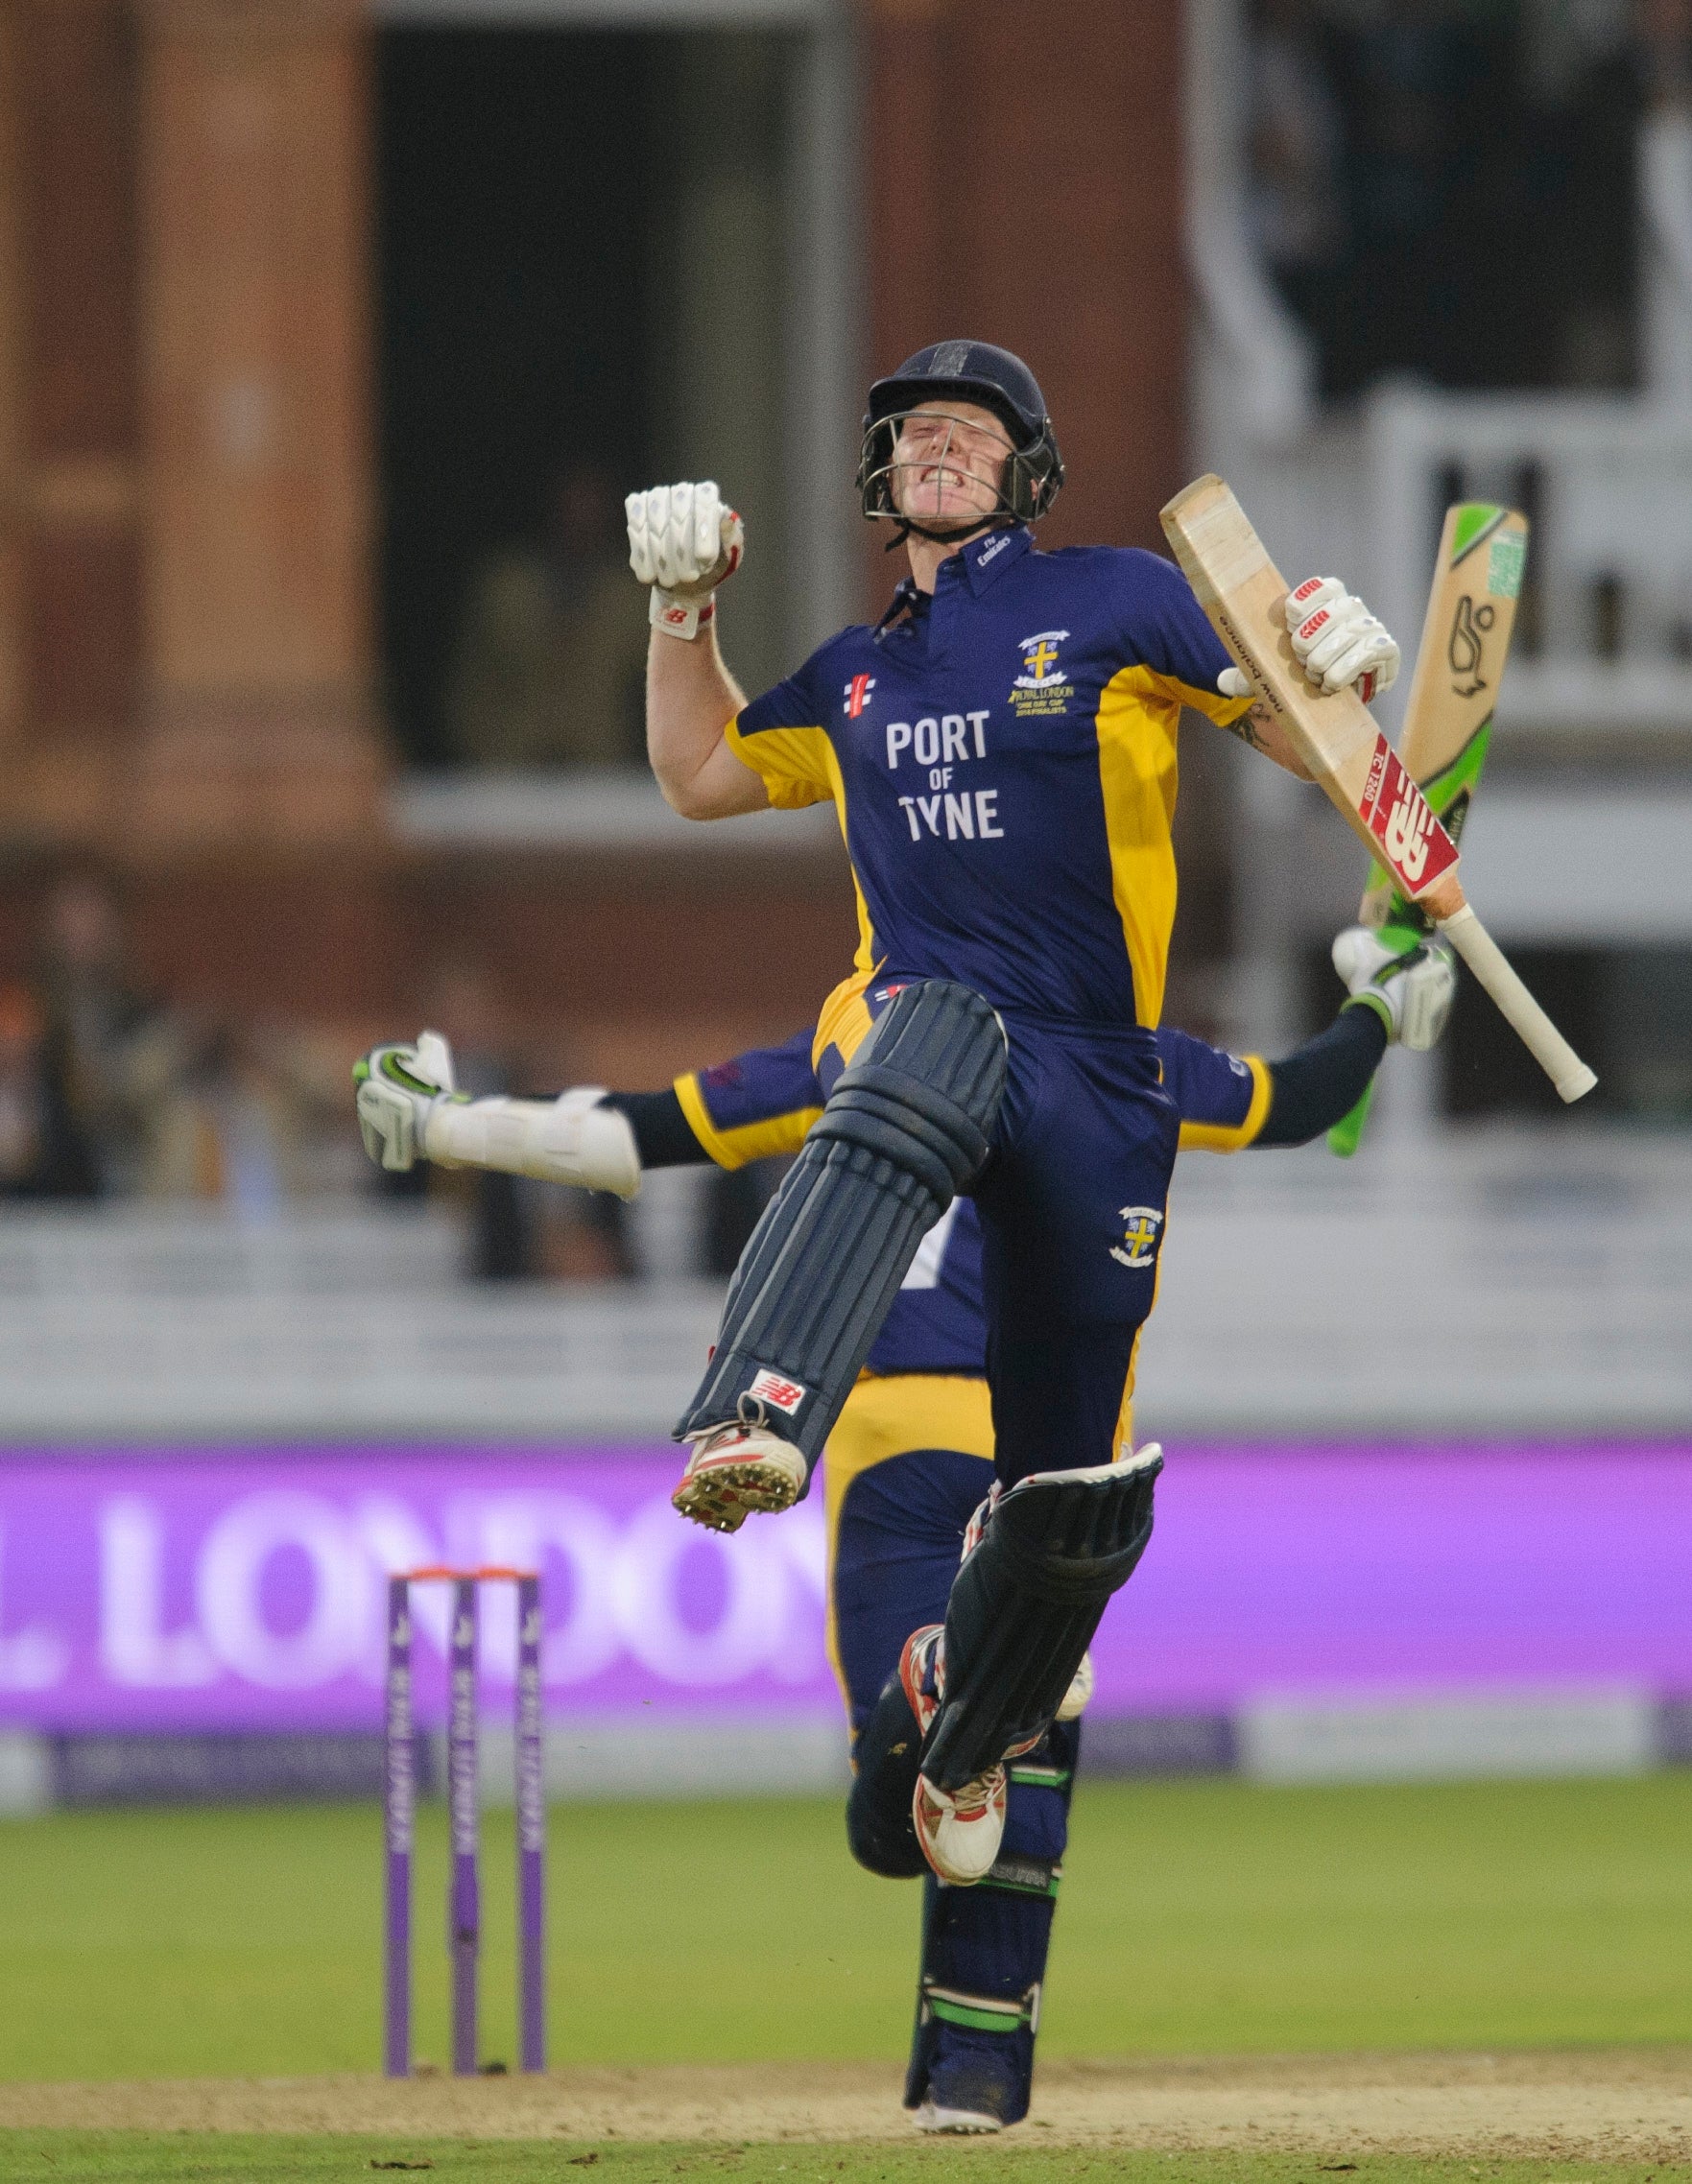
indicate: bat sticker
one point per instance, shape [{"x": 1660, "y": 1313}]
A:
[
  {"x": 1415, "y": 848},
  {"x": 1466, "y": 646}
]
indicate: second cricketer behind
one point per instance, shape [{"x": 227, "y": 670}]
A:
[{"x": 909, "y": 1461}]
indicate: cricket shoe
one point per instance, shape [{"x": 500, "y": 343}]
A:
[
  {"x": 958, "y": 1831},
  {"x": 958, "y": 2123},
  {"x": 922, "y": 1671},
  {"x": 735, "y": 1470}
]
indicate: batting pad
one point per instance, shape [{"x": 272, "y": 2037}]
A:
[
  {"x": 905, "y": 1128},
  {"x": 1025, "y": 1605}
]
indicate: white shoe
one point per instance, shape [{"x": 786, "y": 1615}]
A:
[
  {"x": 1079, "y": 1696},
  {"x": 959, "y": 1830},
  {"x": 737, "y": 1469},
  {"x": 960, "y": 2123}
]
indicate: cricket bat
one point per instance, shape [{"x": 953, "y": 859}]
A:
[
  {"x": 1448, "y": 720},
  {"x": 1243, "y": 594}
]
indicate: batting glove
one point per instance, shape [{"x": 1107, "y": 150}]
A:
[
  {"x": 398, "y": 1088},
  {"x": 1408, "y": 981},
  {"x": 684, "y": 543},
  {"x": 1338, "y": 642}
]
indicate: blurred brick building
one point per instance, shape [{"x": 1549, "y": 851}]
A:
[{"x": 189, "y": 497}]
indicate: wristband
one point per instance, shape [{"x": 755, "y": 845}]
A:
[
  {"x": 1372, "y": 999},
  {"x": 679, "y": 617}
]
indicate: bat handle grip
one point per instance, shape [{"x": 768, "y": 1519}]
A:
[{"x": 1537, "y": 1032}]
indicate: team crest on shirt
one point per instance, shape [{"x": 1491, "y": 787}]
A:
[
  {"x": 1043, "y": 686},
  {"x": 857, "y": 695},
  {"x": 1140, "y": 1226}
]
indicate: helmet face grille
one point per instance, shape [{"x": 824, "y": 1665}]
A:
[
  {"x": 968, "y": 371},
  {"x": 1027, "y": 486}
]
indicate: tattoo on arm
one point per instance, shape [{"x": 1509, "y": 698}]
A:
[{"x": 1251, "y": 727}]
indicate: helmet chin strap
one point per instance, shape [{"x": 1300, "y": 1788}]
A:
[
  {"x": 954, "y": 534},
  {"x": 907, "y": 527}
]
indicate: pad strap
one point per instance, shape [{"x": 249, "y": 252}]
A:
[
  {"x": 1023, "y": 1876},
  {"x": 982, "y": 2012}
]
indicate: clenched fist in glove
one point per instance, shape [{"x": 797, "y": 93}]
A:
[
  {"x": 683, "y": 542},
  {"x": 1408, "y": 981},
  {"x": 1339, "y": 643},
  {"x": 398, "y": 1088}
]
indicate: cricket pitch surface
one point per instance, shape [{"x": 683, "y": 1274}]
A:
[{"x": 1633, "y": 2103}]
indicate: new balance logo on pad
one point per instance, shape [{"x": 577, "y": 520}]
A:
[{"x": 782, "y": 1394}]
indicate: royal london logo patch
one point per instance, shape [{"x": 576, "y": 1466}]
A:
[{"x": 1043, "y": 687}]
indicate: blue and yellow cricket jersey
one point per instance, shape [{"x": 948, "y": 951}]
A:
[
  {"x": 765, "y": 1101},
  {"x": 1002, "y": 756}
]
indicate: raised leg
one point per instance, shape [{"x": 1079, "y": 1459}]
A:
[{"x": 906, "y": 1126}]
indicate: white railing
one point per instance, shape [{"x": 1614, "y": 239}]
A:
[
  {"x": 1605, "y": 647},
  {"x": 1604, "y": 641},
  {"x": 588, "y": 808},
  {"x": 1554, "y": 1296}
]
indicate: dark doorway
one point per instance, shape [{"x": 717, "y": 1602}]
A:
[
  {"x": 1446, "y": 189},
  {"x": 512, "y": 232}
]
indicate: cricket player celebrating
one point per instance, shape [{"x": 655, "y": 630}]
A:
[
  {"x": 911, "y": 1454},
  {"x": 1001, "y": 753}
]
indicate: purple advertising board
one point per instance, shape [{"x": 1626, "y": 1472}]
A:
[{"x": 243, "y": 1589}]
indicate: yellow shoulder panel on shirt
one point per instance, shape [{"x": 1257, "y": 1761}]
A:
[
  {"x": 1138, "y": 716},
  {"x": 1225, "y": 1137},
  {"x": 865, "y": 959},
  {"x": 798, "y": 767},
  {"x": 746, "y": 1141},
  {"x": 795, "y": 764}
]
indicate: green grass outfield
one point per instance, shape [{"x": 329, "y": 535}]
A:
[{"x": 1197, "y": 1917}]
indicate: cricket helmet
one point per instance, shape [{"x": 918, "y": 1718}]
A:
[{"x": 973, "y": 371}]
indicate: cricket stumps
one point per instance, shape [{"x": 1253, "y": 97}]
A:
[{"x": 400, "y": 1781}]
